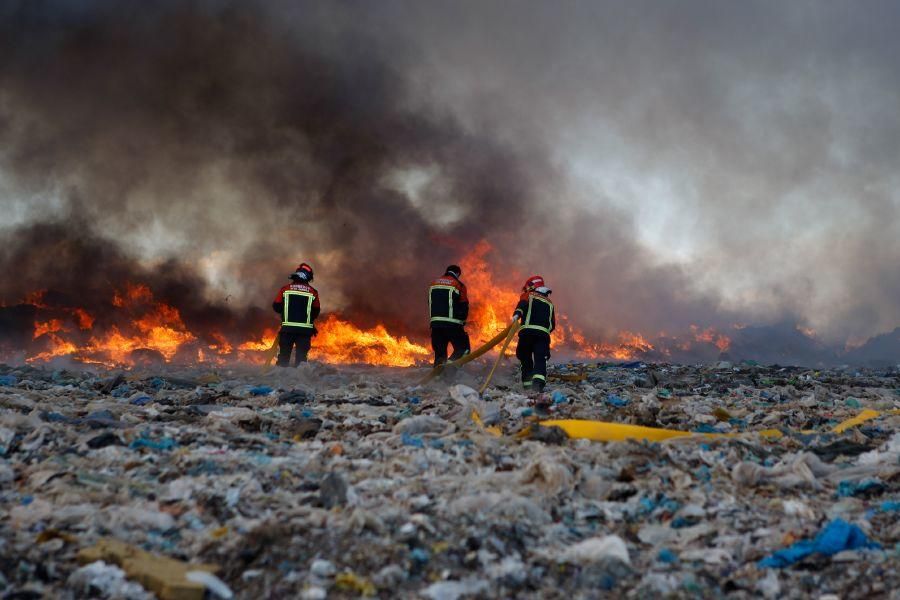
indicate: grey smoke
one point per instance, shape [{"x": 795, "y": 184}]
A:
[{"x": 758, "y": 143}]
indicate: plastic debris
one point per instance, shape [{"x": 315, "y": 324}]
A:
[
  {"x": 836, "y": 537},
  {"x": 351, "y": 582},
  {"x": 215, "y": 586},
  {"x": 453, "y": 590},
  {"x": 165, "y": 577},
  {"x": 106, "y": 581},
  {"x": 345, "y": 481},
  {"x": 617, "y": 401},
  {"x": 597, "y": 550}
]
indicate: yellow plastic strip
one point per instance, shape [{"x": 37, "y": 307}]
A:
[
  {"x": 861, "y": 418},
  {"x": 493, "y": 429},
  {"x": 600, "y": 431}
]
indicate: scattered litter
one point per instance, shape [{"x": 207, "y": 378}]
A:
[
  {"x": 836, "y": 537},
  {"x": 596, "y": 550},
  {"x": 627, "y": 480}
]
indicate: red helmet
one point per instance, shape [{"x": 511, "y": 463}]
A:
[
  {"x": 535, "y": 281},
  {"x": 303, "y": 272}
]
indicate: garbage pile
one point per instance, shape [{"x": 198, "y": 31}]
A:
[{"x": 347, "y": 482}]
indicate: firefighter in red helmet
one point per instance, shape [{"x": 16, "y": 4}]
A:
[
  {"x": 448, "y": 307},
  {"x": 537, "y": 315},
  {"x": 298, "y": 305}
]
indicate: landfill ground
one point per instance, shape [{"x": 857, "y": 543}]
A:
[{"x": 343, "y": 482}]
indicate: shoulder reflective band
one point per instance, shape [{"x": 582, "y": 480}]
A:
[
  {"x": 285, "y": 317},
  {"x": 529, "y": 325},
  {"x": 450, "y": 291}
]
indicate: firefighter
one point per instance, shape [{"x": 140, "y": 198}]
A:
[
  {"x": 298, "y": 305},
  {"x": 448, "y": 305},
  {"x": 537, "y": 315}
]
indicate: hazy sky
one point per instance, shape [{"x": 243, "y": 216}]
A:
[{"x": 663, "y": 162}]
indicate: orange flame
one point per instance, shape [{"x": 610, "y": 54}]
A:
[
  {"x": 711, "y": 336},
  {"x": 83, "y": 318},
  {"x": 342, "y": 342},
  {"x": 51, "y": 326},
  {"x": 58, "y": 347},
  {"x": 264, "y": 343},
  {"x": 154, "y": 325}
]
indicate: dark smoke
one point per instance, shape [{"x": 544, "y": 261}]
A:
[
  {"x": 208, "y": 147},
  {"x": 72, "y": 268},
  {"x": 147, "y": 118}
]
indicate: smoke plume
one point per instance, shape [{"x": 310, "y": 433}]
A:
[{"x": 206, "y": 148}]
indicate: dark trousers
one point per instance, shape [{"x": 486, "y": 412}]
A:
[
  {"x": 533, "y": 351},
  {"x": 287, "y": 339},
  {"x": 441, "y": 335}
]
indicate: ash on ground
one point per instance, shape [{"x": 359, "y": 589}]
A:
[{"x": 351, "y": 481}]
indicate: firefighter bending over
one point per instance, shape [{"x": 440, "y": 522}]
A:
[
  {"x": 538, "y": 317},
  {"x": 298, "y": 305},
  {"x": 448, "y": 305}
]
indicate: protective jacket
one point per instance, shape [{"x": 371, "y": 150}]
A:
[
  {"x": 536, "y": 313},
  {"x": 448, "y": 302},
  {"x": 298, "y": 305}
]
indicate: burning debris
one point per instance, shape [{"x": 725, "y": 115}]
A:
[
  {"x": 123, "y": 313},
  {"x": 158, "y": 168}
]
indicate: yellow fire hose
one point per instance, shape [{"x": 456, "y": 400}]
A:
[
  {"x": 600, "y": 431},
  {"x": 513, "y": 329},
  {"x": 468, "y": 357},
  {"x": 270, "y": 354}
]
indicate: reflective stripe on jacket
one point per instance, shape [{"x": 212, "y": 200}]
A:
[
  {"x": 536, "y": 313},
  {"x": 448, "y": 301},
  {"x": 298, "y": 305}
]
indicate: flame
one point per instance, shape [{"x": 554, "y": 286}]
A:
[
  {"x": 222, "y": 345},
  {"x": 133, "y": 294},
  {"x": 711, "y": 336},
  {"x": 341, "y": 342},
  {"x": 58, "y": 347},
  {"x": 35, "y": 298},
  {"x": 264, "y": 343},
  {"x": 628, "y": 345},
  {"x": 492, "y": 306},
  {"x": 160, "y": 328},
  {"x": 142, "y": 322},
  {"x": 83, "y": 318},
  {"x": 51, "y": 326}
]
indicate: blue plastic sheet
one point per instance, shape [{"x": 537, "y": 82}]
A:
[
  {"x": 260, "y": 390},
  {"x": 9, "y": 380},
  {"x": 866, "y": 486},
  {"x": 412, "y": 440},
  {"x": 705, "y": 428},
  {"x": 163, "y": 444},
  {"x": 666, "y": 556},
  {"x": 837, "y": 536},
  {"x": 616, "y": 401}
]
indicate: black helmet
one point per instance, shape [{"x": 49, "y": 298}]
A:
[{"x": 453, "y": 270}]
